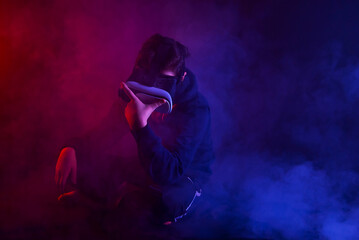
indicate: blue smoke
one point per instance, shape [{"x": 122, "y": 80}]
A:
[{"x": 282, "y": 80}]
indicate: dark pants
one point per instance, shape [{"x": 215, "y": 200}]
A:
[{"x": 146, "y": 211}]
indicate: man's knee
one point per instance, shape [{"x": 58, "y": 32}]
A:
[{"x": 178, "y": 198}]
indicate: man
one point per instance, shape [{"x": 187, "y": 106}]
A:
[{"x": 174, "y": 149}]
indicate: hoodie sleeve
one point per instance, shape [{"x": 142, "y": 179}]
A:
[{"x": 166, "y": 166}]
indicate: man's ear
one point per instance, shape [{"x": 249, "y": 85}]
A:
[{"x": 184, "y": 74}]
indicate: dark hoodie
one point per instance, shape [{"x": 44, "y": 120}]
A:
[
  {"x": 168, "y": 147},
  {"x": 180, "y": 143}
]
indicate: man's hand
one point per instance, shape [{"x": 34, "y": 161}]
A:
[
  {"x": 136, "y": 112},
  {"x": 66, "y": 166}
]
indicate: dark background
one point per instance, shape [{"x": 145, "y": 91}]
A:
[{"x": 281, "y": 77}]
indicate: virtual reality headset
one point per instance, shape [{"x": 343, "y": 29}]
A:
[
  {"x": 148, "y": 95},
  {"x": 150, "y": 88}
]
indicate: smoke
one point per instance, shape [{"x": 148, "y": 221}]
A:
[{"x": 281, "y": 79}]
